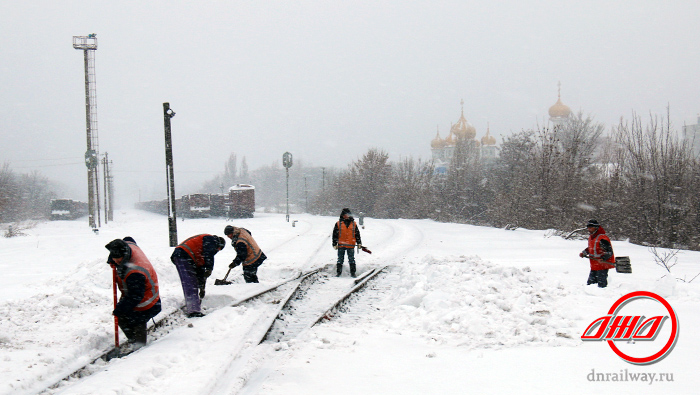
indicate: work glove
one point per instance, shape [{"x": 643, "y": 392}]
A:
[
  {"x": 359, "y": 246},
  {"x": 233, "y": 264},
  {"x": 335, "y": 247},
  {"x": 582, "y": 255}
]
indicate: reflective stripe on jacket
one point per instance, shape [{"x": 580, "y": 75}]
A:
[
  {"x": 346, "y": 236},
  {"x": 140, "y": 264},
  {"x": 254, "y": 250}
]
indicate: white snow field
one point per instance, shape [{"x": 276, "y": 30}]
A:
[{"x": 460, "y": 309}]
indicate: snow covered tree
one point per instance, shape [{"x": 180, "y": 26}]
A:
[
  {"x": 410, "y": 193},
  {"x": 655, "y": 184},
  {"x": 464, "y": 194}
]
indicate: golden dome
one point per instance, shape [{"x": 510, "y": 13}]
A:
[
  {"x": 449, "y": 141},
  {"x": 488, "y": 139},
  {"x": 463, "y": 128},
  {"x": 559, "y": 109},
  {"x": 437, "y": 141}
]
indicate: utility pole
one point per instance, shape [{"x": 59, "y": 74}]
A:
[
  {"x": 88, "y": 44},
  {"x": 170, "y": 175},
  {"x": 287, "y": 163},
  {"x": 108, "y": 188},
  {"x": 106, "y": 183}
]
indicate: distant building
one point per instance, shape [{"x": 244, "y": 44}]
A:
[
  {"x": 692, "y": 134},
  {"x": 443, "y": 149}
]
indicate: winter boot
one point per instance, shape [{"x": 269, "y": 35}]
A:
[{"x": 339, "y": 269}]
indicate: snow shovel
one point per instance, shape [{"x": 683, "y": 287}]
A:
[
  {"x": 365, "y": 249},
  {"x": 223, "y": 282}
]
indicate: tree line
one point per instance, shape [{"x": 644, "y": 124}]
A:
[
  {"x": 640, "y": 182},
  {"x": 24, "y": 196}
]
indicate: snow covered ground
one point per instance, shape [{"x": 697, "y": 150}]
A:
[{"x": 462, "y": 309}]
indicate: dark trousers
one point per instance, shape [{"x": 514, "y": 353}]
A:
[
  {"x": 190, "y": 284},
  {"x": 250, "y": 272},
  {"x": 134, "y": 331},
  {"x": 351, "y": 259},
  {"x": 599, "y": 277},
  {"x": 134, "y": 323}
]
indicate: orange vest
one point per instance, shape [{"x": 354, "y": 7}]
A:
[
  {"x": 140, "y": 264},
  {"x": 346, "y": 235},
  {"x": 596, "y": 251},
  {"x": 254, "y": 252},
  {"x": 193, "y": 247}
]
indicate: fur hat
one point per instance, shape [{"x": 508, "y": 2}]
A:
[
  {"x": 118, "y": 249},
  {"x": 592, "y": 224}
]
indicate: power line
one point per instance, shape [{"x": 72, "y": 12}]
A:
[
  {"x": 56, "y": 165},
  {"x": 38, "y": 160}
]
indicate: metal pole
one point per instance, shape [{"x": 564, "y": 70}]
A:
[
  {"x": 116, "y": 320},
  {"x": 287, "y": 194},
  {"x": 172, "y": 215}
]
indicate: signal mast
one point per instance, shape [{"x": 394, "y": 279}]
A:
[{"x": 88, "y": 44}]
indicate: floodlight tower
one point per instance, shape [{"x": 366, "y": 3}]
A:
[{"x": 88, "y": 44}]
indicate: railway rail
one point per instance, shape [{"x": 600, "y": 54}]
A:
[{"x": 310, "y": 298}]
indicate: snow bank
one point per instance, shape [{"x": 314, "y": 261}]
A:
[{"x": 465, "y": 301}]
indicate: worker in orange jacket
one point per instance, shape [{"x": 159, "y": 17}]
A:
[
  {"x": 138, "y": 283},
  {"x": 346, "y": 236}
]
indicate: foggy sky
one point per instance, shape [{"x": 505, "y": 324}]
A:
[{"x": 323, "y": 80}]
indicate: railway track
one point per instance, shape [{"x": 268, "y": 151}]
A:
[
  {"x": 298, "y": 312},
  {"x": 157, "y": 329},
  {"x": 303, "y": 301}
]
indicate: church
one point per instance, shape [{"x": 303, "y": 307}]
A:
[{"x": 443, "y": 149}]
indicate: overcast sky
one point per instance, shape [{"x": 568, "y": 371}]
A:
[{"x": 323, "y": 80}]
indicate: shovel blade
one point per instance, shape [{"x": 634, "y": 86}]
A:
[{"x": 221, "y": 282}]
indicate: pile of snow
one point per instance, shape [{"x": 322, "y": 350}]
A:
[{"x": 465, "y": 301}]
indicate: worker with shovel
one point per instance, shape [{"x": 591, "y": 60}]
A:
[
  {"x": 194, "y": 260},
  {"x": 248, "y": 253},
  {"x": 346, "y": 236},
  {"x": 600, "y": 253},
  {"x": 138, "y": 283}
]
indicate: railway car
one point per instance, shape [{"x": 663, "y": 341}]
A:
[
  {"x": 196, "y": 205},
  {"x": 67, "y": 209},
  {"x": 241, "y": 201},
  {"x": 218, "y": 204}
]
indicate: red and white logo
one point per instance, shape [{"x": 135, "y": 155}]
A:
[{"x": 636, "y": 328}]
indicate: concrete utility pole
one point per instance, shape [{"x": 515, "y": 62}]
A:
[
  {"x": 88, "y": 44},
  {"x": 170, "y": 175},
  {"x": 287, "y": 163},
  {"x": 108, "y": 188}
]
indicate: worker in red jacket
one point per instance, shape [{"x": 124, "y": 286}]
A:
[
  {"x": 138, "y": 283},
  {"x": 194, "y": 260},
  {"x": 600, "y": 253}
]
